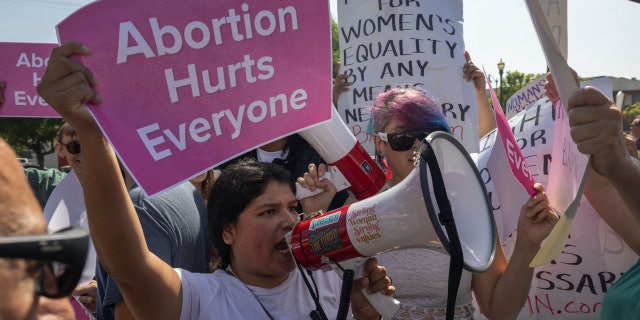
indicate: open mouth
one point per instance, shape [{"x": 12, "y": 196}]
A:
[{"x": 282, "y": 247}]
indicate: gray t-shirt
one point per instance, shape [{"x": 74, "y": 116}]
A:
[{"x": 176, "y": 230}]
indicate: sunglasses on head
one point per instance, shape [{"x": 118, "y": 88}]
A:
[
  {"x": 60, "y": 256},
  {"x": 402, "y": 141},
  {"x": 73, "y": 147}
]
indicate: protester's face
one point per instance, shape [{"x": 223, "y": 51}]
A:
[
  {"x": 259, "y": 253},
  {"x": 74, "y": 160},
  {"x": 20, "y": 214},
  {"x": 400, "y": 162},
  {"x": 17, "y": 292}
]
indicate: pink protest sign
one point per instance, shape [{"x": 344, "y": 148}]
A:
[
  {"x": 516, "y": 160},
  {"x": 21, "y": 67},
  {"x": 188, "y": 85}
]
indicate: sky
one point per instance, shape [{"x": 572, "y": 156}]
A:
[{"x": 603, "y": 35}]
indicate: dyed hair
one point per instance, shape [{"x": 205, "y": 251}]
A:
[
  {"x": 66, "y": 130},
  {"x": 238, "y": 185},
  {"x": 411, "y": 108}
]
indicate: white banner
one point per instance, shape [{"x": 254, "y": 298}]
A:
[
  {"x": 594, "y": 257},
  {"x": 388, "y": 44},
  {"x": 530, "y": 93}
]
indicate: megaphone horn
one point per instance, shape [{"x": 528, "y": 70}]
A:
[
  {"x": 453, "y": 217},
  {"x": 397, "y": 218},
  {"x": 339, "y": 147}
]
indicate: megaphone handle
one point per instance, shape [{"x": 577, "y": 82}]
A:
[{"x": 387, "y": 306}]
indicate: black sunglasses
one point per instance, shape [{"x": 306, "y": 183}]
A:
[
  {"x": 402, "y": 141},
  {"x": 61, "y": 257},
  {"x": 73, "y": 147}
]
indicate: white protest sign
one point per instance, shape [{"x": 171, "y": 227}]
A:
[
  {"x": 530, "y": 93},
  {"x": 388, "y": 44},
  {"x": 594, "y": 257}
]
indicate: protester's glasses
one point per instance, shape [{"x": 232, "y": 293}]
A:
[
  {"x": 60, "y": 258},
  {"x": 635, "y": 124},
  {"x": 73, "y": 147},
  {"x": 402, "y": 141}
]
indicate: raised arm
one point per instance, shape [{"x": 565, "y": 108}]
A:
[
  {"x": 150, "y": 287},
  {"x": 502, "y": 290},
  {"x": 471, "y": 72},
  {"x": 340, "y": 85}
]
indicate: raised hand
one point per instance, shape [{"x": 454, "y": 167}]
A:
[
  {"x": 340, "y": 85},
  {"x": 536, "y": 220},
  {"x": 67, "y": 85},
  {"x": 596, "y": 128},
  {"x": 473, "y": 73},
  {"x": 312, "y": 181}
]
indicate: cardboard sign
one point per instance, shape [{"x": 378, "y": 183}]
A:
[
  {"x": 594, "y": 257},
  {"x": 530, "y": 93},
  {"x": 21, "y": 67},
  {"x": 185, "y": 92},
  {"x": 417, "y": 44}
]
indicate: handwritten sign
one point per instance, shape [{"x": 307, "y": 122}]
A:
[
  {"x": 573, "y": 284},
  {"x": 417, "y": 44},
  {"x": 184, "y": 92},
  {"x": 530, "y": 93},
  {"x": 21, "y": 67}
]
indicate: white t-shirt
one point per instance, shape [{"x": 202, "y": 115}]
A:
[
  {"x": 269, "y": 156},
  {"x": 220, "y": 295}
]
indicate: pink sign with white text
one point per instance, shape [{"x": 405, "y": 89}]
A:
[
  {"x": 517, "y": 162},
  {"x": 187, "y": 85},
  {"x": 21, "y": 68}
]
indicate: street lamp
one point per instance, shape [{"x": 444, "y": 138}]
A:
[
  {"x": 501, "y": 70},
  {"x": 494, "y": 81}
]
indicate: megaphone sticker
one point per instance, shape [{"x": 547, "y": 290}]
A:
[
  {"x": 324, "y": 221},
  {"x": 365, "y": 225},
  {"x": 326, "y": 240}
]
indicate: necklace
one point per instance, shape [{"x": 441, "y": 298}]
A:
[
  {"x": 318, "y": 313},
  {"x": 230, "y": 272}
]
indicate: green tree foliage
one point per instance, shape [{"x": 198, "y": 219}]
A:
[
  {"x": 31, "y": 133},
  {"x": 630, "y": 112},
  {"x": 335, "y": 46},
  {"x": 512, "y": 81}
]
